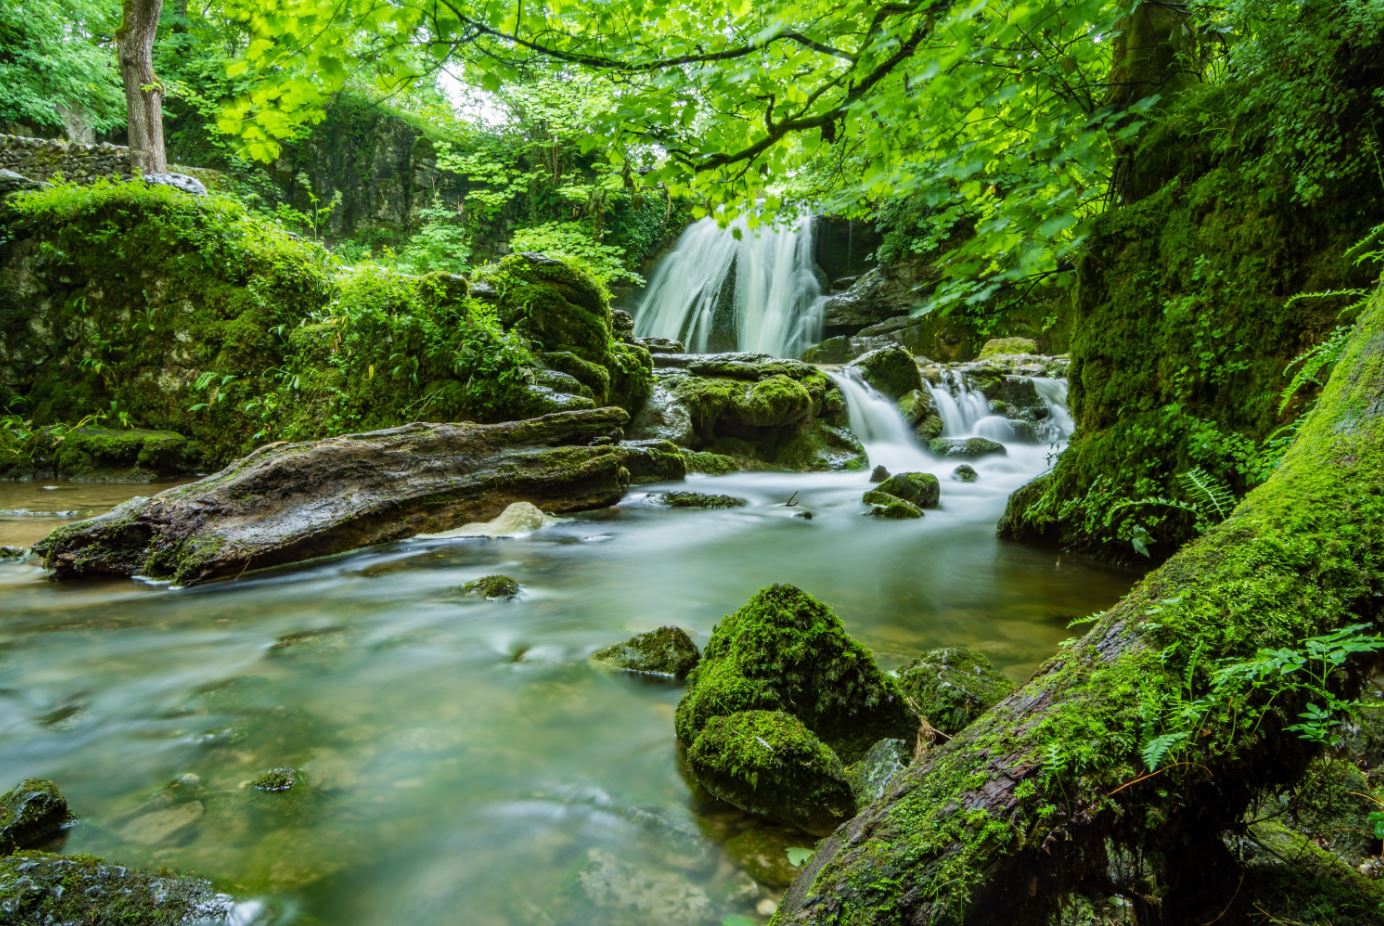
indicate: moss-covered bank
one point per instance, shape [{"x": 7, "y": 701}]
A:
[{"x": 155, "y": 309}]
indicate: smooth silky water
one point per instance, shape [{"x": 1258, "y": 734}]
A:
[{"x": 466, "y": 763}]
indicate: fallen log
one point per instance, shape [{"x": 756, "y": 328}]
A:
[
  {"x": 289, "y": 502},
  {"x": 1047, "y": 795}
]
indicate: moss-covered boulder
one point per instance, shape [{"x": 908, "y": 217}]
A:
[
  {"x": 31, "y": 814},
  {"x": 1000, "y": 347},
  {"x": 653, "y": 461},
  {"x": 890, "y": 507},
  {"x": 919, "y": 409},
  {"x": 698, "y": 500},
  {"x": 768, "y": 763},
  {"x": 39, "y": 888},
  {"x": 785, "y": 651},
  {"x": 492, "y": 588},
  {"x": 922, "y": 489},
  {"x": 667, "y": 652},
  {"x": 953, "y": 686},
  {"x": 967, "y": 448},
  {"x": 891, "y": 370},
  {"x": 871, "y": 773},
  {"x": 965, "y": 473}
]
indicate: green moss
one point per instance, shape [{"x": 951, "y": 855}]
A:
[
  {"x": 965, "y": 447},
  {"x": 667, "y": 651},
  {"x": 952, "y": 686},
  {"x": 891, "y": 507},
  {"x": 922, "y": 489},
  {"x": 1002, "y": 347},
  {"x": 784, "y": 650},
  {"x": 36, "y": 887},
  {"x": 699, "y": 500},
  {"x": 492, "y": 588},
  {"x": 713, "y": 464},
  {"x": 31, "y": 814},
  {"x": 965, "y": 473},
  {"x": 132, "y": 455},
  {"x": 275, "y": 780},
  {"x": 768, "y": 763},
  {"x": 891, "y": 370}
]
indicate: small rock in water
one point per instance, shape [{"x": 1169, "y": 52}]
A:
[
  {"x": 966, "y": 447},
  {"x": 879, "y": 474},
  {"x": 31, "y": 814},
  {"x": 13, "y": 553},
  {"x": 921, "y": 489},
  {"x": 698, "y": 500},
  {"x": 805, "y": 515},
  {"x": 275, "y": 780},
  {"x": 766, "y": 907},
  {"x": 667, "y": 651},
  {"x": 884, "y": 505},
  {"x": 492, "y": 588},
  {"x": 965, "y": 473}
]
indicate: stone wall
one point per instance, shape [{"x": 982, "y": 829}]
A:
[{"x": 46, "y": 158}]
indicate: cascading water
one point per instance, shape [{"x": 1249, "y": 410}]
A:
[{"x": 761, "y": 289}]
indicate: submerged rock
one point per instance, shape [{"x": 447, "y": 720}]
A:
[
  {"x": 965, "y": 473},
  {"x": 492, "y": 588},
  {"x": 768, "y": 763},
  {"x": 953, "y": 686},
  {"x": 288, "y": 502},
  {"x": 12, "y": 553},
  {"x": 667, "y": 651},
  {"x": 966, "y": 447},
  {"x": 276, "y": 780},
  {"x": 516, "y": 520},
  {"x": 39, "y": 888},
  {"x": 922, "y": 489},
  {"x": 762, "y": 851},
  {"x": 891, "y": 370},
  {"x": 31, "y": 815},
  {"x": 884, "y": 505},
  {"x": 785, "y": 651},
  {"x": 698, "y": 500},
  {"x": 625, "y": 894}
]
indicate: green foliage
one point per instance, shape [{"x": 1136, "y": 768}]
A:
[
  {"x": 441, "y": 243},
  {"x": 58, "y": 64},
  {"x": 1308, "y": 675},
  {"x": 574, "y": 241}
]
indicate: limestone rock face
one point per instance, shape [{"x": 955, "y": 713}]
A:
[{"x": 289, "y": 502}]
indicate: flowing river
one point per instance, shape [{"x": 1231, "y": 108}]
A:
[{"x": 466, "y": 763}]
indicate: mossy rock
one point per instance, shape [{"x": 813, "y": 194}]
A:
[
  {"x": 965, "y": 473},
  {"x": 32, "y": 814},
  {"x": 654, "y": 461},
  {"x": 891, "y": 370},
  {"x": 667, "y": 652},
  {"x": 871, "y": 773},
  {"x": 1003, "y": 347},
  {"x": 95, "y": 454},
  {"x": 784, "y": 650},
  {"x": 698, "y": 500},
  {"x": 890, "y": 507},
  {"x": 919, "y": 409},
  {"x": 492, "y": 588},
  {"x": 553, "y": 304},
  {"x": 953, "y": 686},
  {"x": 276, "y": 780},
  {"x": 969, "y": 448},
  {"x": 769, "y": 764},
  {"x": 712, "y": 464},
  {"x": 39, "y": 888},
  {"x": 13, "y": 553},
  {"x": 922, "y": 489}
]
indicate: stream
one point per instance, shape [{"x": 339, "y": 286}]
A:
[{"x": 465, "y": 763}]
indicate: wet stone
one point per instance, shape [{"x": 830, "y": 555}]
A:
[
  {"x": 668, "y": 652},
  {"x": 492, "y": 588},
  {"x": 32, "y": 814},
  {"x": 275, "y": 780},
  {"x": 965, "y": 473},
  {"x": 698, "y": 500},
  {"x": 879, "y": 474}
]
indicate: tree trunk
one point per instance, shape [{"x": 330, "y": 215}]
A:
[
  {"x": 1047, "y": 794},
  {"x": 143, "y": 92}
]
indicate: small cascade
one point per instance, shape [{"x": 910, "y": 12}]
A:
[
  {"x": 880, "y": 426},
  {"x": 752, "y": 290},
  {"x": 961, "y": 405},
  {"x": 1059, "y": 424}
]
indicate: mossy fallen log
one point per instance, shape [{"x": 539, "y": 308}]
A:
[
  {"x": 289, "y": 502},
  {"x": 1050, "y": 794}
]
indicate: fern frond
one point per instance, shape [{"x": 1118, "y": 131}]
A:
[
  {"x": 1212, "y": 498},
  {"x": 1313, "y": 361},
  {"x": 1157, "y": 749}
]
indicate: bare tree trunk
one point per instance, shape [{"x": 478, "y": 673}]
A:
[
  {"x": 143, "y": 92},
  {"x": 1049, "y": 793}
]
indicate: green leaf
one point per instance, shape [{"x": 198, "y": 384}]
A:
[{"x": 798, "y": 856}]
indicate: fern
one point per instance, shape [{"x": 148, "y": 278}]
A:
[
  {"x": 1313, "y": 361},
  {"x": 1212, "y": 498},
  {"x": 1157, "y": 749}
]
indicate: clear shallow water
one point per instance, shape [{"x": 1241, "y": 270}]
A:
[
  {"x": 467, "y": 764},
  {"x": 30, "y": 511}
]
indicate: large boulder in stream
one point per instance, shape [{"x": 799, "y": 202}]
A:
[
  {"x": 289, "y": 502},
  {"x": 782, "y": 671},
  {"x": 891, "y": 370}
]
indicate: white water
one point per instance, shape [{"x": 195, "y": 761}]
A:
[
  {"x": 965, "y": 412},
  {"x": 777, "y": 299}
]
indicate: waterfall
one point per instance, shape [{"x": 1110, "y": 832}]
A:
[
  {"x": 1059, "y": 424},
  {"x": 961, "y": 405},
  {"x": 756, "y": 292},
  {"x": 886, "y": 436}
]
